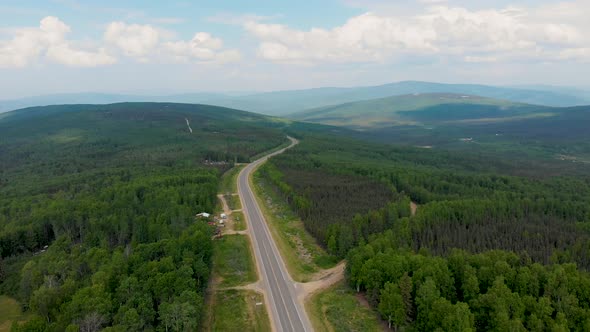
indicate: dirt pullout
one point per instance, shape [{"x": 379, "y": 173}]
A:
[{"x": 323, "y": 279}]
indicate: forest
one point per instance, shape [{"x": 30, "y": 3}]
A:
[
  {"x": 491, "y": 291},
  {"x": 97, "y": 205},
  {"x": 502, "y": 224},
  {"x": 97, "y": 228}
]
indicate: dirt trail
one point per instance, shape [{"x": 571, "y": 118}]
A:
[
  {"x": 365, "y": 303},
  {"x": 233, "y": 232},
  {"x": 413, "y": 208},
  {"x": 188, "y": 125},
  {"x": 229, "y": 228},
  {"x": 255, "y": 286},
  {"x": 226, "y": 208}
]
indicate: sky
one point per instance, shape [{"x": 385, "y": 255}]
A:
[{"x": 165, "y": 47}]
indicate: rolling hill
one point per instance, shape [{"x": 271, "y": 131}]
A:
[
  {"x": 468, "y": 123},
  {"x": 286, "y": 102},
  {"x": 102, "y": 98},
  {"x": 124, "y": 133},
  {"x": 81, "y": 184},
  {"x": 416, "y": 109}
]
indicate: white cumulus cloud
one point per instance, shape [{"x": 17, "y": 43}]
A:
[
  {"x": 134, "y": 40},
  {"x": 145, "y": 43},
  {"x": 365, "y": 37},
  {"x": 63, "y": 53},
  {"x": 202, "y": 47},
  {"x": 148, "y": 43},
  {"x": 48, "y": 41},
  {"x": 438, "y": 30}
]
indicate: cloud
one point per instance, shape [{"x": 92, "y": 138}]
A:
[
  {"x": 202, "y": 47},
  {"x": 480, "y": 59},
  {"x": 366, "y": 37},
  {"x": 437, "y": 30},
  {"x": 577, "y": 54},
  {"x": 48, "y": 41},
  {"x": 65, "y": 54},
  {"x": 145, "y": 43},
  {"x": 148, "y": 43},
  {"x": 134, "y": 40}
]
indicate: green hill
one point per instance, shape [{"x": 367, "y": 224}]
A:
[
  {"x": 467, "y": 123},
  {"x": 97, "y": 206},
  {"x": 419, "y": 109},
  {"x": 153, "y": 133}
]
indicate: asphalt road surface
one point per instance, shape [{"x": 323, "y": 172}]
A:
[{"x": 286, "y": 312}]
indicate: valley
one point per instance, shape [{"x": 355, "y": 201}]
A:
[
  {"x": 374, "y": 207},
  {"x": 294, "y": 166}
]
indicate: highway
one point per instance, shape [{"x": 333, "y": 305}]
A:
[{"x": 287, "y": 313}]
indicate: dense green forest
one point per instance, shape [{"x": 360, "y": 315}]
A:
[
  {"x": 463, "y": 122},
  {"x": 491, "y": 291},
  {"x": 355, "y": 198},
  {"x": 499, "y": 241},
  {"x": 112, "y": 191},
  {"x": 560, "y": 135}
]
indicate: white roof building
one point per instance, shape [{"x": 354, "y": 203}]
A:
[{"x": 203, "y": 214}]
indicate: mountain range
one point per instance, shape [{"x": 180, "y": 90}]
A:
[{"x": 281, "y": 103}]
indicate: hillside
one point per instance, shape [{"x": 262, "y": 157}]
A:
[
  {"x": 103, "y": 98},
  {"x": 97, "y": 206},
  {"x": 481, "y": 125},
  {"x": 559, "y": 142},
  {"x": 485, "y": 248},
  {"x": 290, "y": 101},
  {"x": 415, "y": 109}
]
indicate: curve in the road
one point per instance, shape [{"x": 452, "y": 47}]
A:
[{"x": 287, "y": 312}]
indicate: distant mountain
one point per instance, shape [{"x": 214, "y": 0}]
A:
[
  {"x": 583, "y": 94},
  {"x": 414, "y": 109},
  {"x": 286, "y": 102}
]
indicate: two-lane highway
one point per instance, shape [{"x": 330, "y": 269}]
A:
[{"x": 287, "y": 313}]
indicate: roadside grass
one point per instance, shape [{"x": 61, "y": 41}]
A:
[
  {"x": 301, "y": 252},
  {"x": 239, "y": 221},
  {"x": 10, "y": 311},
  {"x": 338, "y": 309},
  {"x": 233, "y": 202},
  {"x": 229, "y": 182},
  {"x": 233, "y": 262},
  {"x": 236, "y": 310}
]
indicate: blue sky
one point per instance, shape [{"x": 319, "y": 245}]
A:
[{"x": 59, "y": 46}]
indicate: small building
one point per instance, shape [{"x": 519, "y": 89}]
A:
[{"x": 203, "y": 215}]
